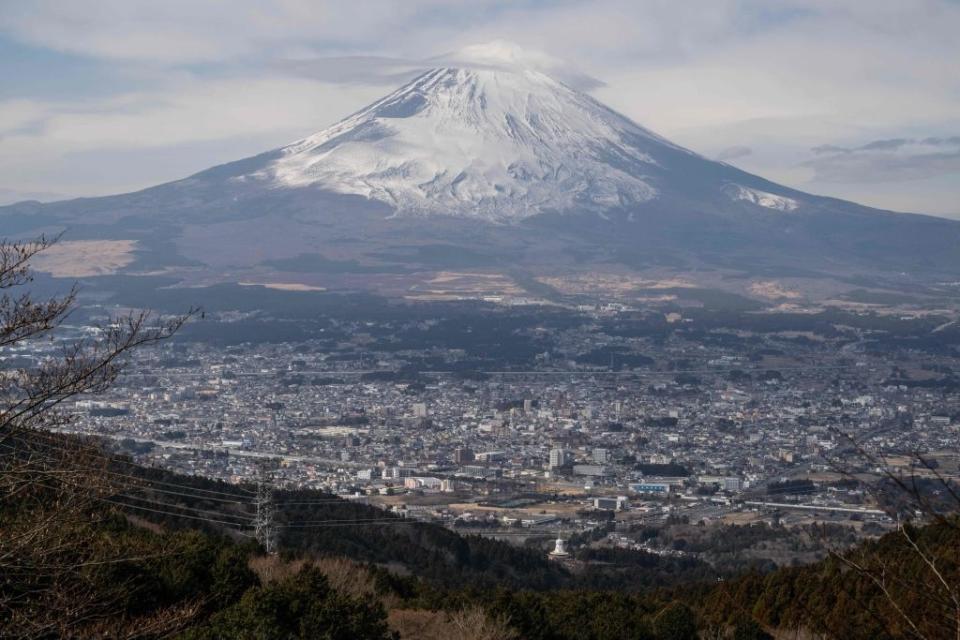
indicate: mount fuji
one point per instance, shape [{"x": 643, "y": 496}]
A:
[
  {"x": 497, "y": 139},
  {"x": 489, "y": 159}
]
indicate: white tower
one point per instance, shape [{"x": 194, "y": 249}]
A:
[{"x": 560, "y": 550}]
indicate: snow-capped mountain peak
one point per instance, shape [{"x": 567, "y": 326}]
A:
[{"x": 489, "y": 135}]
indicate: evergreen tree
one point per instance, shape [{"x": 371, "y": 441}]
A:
[{"x": 675, "y": 622}]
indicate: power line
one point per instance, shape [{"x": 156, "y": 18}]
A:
[
  {"x": 146, "y": 487},
  {"x": 245, "y": 517},
  {"x": 265, "y": 527},
  {"x": 321, "y": 524},
  {"x": 195, "y": 496},
  {"x": 169, "y": 513},
  {"x": 165, "y": 504},
  {"x": 281, "y": 503},
  {"x": 140, "y": 479},
  {"x": 64, "y": 448},
  {"x": 55, "y": 442},
  {"x": 259, "y": 500}
]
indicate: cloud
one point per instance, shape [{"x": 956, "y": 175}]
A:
[
  {"x": 383, "y": 70},
  {"x": 185, "y": 31},
  {"x": 732, "y": 153},
  {"x": 349, "y": 70},
  {"x": 501, "y": 54},
  {"x": 952, "y": 140},
  {"x": 190, "y": 111},
  {"x": 893, "y": 159},
  {"x": 51, "y": 146},
  {"x": 892, "y": 144},
  {"x": 829, "y": 148}
]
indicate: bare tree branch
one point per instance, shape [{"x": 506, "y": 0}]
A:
[{"x": 53, "y": 489}]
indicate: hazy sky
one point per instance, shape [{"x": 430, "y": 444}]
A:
[{"x": 858, "y": 99}]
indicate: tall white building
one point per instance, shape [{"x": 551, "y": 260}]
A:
[{"x": 559, "y": 458}]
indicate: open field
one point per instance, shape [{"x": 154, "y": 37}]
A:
[{"x": 84, "y": 258}]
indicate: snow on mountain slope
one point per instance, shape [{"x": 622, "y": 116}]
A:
[
  {"x": 491, "y": 137},
  {"x": 761, "y": 198}
]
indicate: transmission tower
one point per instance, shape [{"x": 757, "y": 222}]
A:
[{"x": 264, "y": 527}]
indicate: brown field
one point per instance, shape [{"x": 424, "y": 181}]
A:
[
  {"x": 773, "y": 290},
  {"x": 742, "y": 518},
  {"x": 454, "y": 285},
  {"x": 613, "y": 284},
  {"x": 84, "y": 258}
]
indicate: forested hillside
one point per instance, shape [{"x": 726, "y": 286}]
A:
[{"x": 160, "y": 554}]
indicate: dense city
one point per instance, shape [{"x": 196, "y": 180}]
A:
[{"x": 600, "y": 432}]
